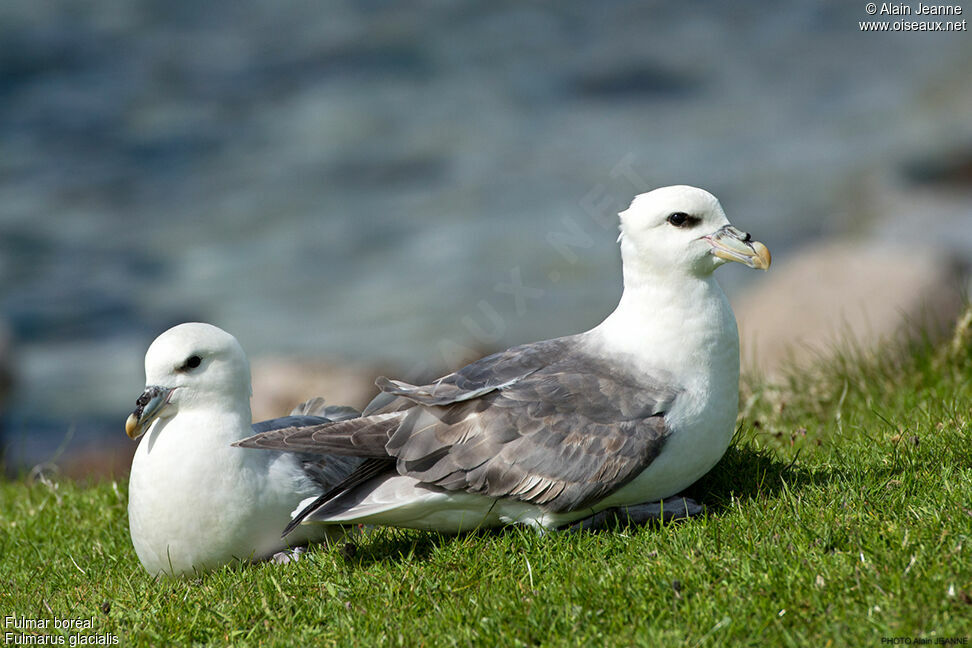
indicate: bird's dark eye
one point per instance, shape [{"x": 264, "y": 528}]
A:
[
  {"x": 681, "y": 219},
  {"x": 191, "y": 362}
]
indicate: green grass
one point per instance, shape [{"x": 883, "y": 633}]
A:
[{"x": 841, "y": 515}]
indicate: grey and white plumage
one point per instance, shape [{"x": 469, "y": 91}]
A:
[
  {"x": 196, "y": 502},
  {"x": 545, "y": 434}
]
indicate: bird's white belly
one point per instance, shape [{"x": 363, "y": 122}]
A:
[{"x": 190, "y": 511}]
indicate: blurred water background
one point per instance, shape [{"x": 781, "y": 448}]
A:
[{"x": 364, "y": 181}]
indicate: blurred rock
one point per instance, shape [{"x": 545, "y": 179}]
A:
[
  {"x": 926, "y": 199},
  {"x": 840, "y": 294},
  {"x": 95, "y": 464},
  {"x": 280, "y": 383}
]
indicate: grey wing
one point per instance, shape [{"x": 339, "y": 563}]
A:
[
  {"x": 475, "y": 379},
  {"x": 562, "y": 437},
  {"x": 284, "y": 422},
  {"x": 310, "y": 413},
  {"x": 544, "y": 423},
  {"x": 326, "y": 470}
]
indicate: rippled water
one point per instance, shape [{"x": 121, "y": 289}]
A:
[{"x": 355, "y": 181}]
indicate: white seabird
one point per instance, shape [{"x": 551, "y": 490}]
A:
[
  {"x": 195, "y": 502},
  {"x": 545, "y": 434}
]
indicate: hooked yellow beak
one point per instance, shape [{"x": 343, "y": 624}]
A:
[
  {"x": 148, "y": 407},
  {"x": 732, "y": 244}
]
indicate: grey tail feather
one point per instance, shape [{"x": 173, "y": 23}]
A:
[
  {"x": 340, "y": 412},
  {"x": 399, "y": 388},
  {"x": 318, "y": 407},
  {"x": 368, "y": 469},
  {"x": 438, "y": 393},
  {"x": 389, "y": 386},
  {"x": 379, "y": 403},
  {"x": 314, "y": 406}
]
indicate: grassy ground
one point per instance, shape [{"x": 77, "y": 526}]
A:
[{"x": 842, "y": 515}]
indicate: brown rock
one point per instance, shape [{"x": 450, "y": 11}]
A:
[
  {"x": 99, "y": 463},
  {"x": 841, "y": 294},
  {"x": 280, "y": 383}
]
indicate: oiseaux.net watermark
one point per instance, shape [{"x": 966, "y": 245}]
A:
[{"x": 913, "y": 17}]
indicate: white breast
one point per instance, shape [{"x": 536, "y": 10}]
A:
[
  {"x": 689, "y": 336},
  {"x": 197, "y": 502}
]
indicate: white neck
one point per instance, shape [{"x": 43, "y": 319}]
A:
[
  {"x": 682, "y": 326},
  {"x": 215, "y": 425}
]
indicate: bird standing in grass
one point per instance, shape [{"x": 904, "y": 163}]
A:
[
  {"x": 195, "y": 502},
  {"x": 545, "y": 434}
]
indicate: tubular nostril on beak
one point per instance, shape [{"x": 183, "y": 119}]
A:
[{"x": 747, "y": 238}]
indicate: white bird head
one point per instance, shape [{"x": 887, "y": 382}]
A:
[
  {"x": 683, "y": 229},
  {"x": 190, "y": 365}
]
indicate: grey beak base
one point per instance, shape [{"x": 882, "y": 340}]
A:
[
  {"x": 731, "y": 244},
  {"x": 147, "y": 408}
]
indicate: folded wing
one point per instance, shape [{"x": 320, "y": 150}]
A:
[{"x": 546, "y": 423}]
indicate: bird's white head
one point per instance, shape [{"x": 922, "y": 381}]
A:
[
  {"x": 190, "y": 365},
  {"x": 682, "y": 229}
]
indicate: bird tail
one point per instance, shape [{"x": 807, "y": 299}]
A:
[{"x": 368, "y": 470}]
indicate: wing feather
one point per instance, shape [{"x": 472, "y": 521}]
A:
[
  {"x": 326, "y": 470},
  {"x": 561, "y": 436},
  {"x": 547, "y": 423}
]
